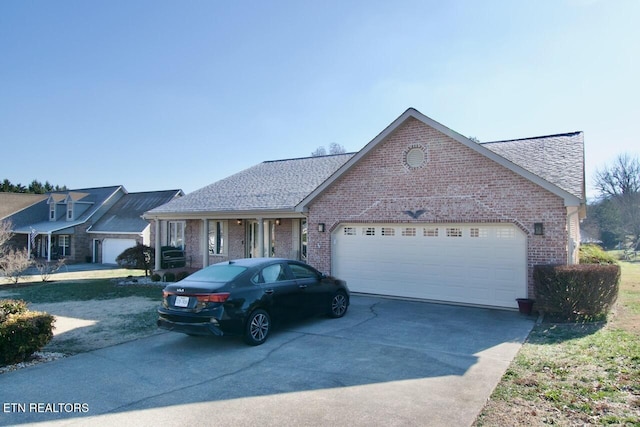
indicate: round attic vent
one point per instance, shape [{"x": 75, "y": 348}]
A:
[{"x": 415, "y": 157}]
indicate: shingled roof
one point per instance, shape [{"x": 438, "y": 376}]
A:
[
  {"x": 10, "y": 203},
  {"x": 125, "y": 216},
  {"x": 270, "y": 185},
  {"x": 555, "y": 158},
  {"x": 556, "y": 162}
]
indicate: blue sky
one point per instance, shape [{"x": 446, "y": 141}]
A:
[{"x": 160, "y": 95}]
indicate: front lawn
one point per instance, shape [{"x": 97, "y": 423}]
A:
[
  {"x": 91, "y": 313},
  {"x": 576, "y": 374},
  {"x": 79, "y": 290}
]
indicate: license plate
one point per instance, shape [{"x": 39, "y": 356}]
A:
[{"x": 181, "y": 301}]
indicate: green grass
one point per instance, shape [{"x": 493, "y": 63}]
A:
[
  {"x": 80, "y": 290},
  {"x": 575, "y": 374}
]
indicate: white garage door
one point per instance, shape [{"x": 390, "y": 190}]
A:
[
  {"x": 484, "y": 264},
  {"x": 111, "y": 248}
]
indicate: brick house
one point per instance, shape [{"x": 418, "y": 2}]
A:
[
  {"x": 419, "y": 212},
  {"x": 85, "y": 225}
]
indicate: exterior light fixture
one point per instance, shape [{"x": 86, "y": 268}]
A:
[
  {"x": 321, "y": 227},
  {"x": 277, "y": 221},
  {"x": 239, "y": 221}
]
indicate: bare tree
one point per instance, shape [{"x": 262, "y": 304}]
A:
[
  {"x": 14, "y": 262},
  {"x": 620, "y": 183},
  {"x": 620, "y": 178},
  {"x": 5, "y": 234},
  {"x": 334, "y": 148},
  {"x": 320, "y": 151}
]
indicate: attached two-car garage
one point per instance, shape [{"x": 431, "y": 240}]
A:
[{"x": 481, "y": 264}]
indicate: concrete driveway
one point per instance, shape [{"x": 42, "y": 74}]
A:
[{"x": 387, "y": 362}]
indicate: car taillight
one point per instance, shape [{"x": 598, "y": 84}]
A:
[{"x": 220, "y": 297}]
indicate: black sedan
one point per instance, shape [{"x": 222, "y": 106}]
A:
[{"x": 242, "y": 296}]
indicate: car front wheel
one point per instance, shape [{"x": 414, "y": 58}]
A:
[
  {"x": 258, "y": 327},
  {"x": 339, "y": 304}
]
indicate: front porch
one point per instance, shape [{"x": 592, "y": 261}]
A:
[{"x": 207, "y": 241}]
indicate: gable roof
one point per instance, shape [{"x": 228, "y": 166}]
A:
[
  {"x": 270, "y": 186},
  {"x": 37, "y": 215},
  {"x": 11, "y": 203},
  {"x": 569, "y": 198},
  {"x": 555, "y": 158},
  {"x": 125, "y": 216}
]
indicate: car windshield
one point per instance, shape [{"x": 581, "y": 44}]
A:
[{"x": 217, "y": 273}]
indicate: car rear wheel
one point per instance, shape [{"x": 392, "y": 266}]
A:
[
  {"x": 339, "y": 304},
  {"x": 258, "y": 327}
]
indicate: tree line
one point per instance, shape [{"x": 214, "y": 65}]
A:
[
  {"x": 614, "y": 216},
  {"x": 36, "y": 187}
]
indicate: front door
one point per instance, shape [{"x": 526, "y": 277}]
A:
[{"x": 252, "y": 246}]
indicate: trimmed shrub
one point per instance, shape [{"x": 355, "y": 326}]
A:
[
  {"x": 169, "y": 277},
  {"x": 594, "y": 254},
  {"x": 11, "y": 306},
  {"x": 584, "y": 292},
  {"x": 155, "y": 277},
  {"x": 139, "y": 256},
  {"x": 181, "y": 275},
  {"x": 22, "y": 334}
]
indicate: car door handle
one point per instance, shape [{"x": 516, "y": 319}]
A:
[
  {"x": 302, "y": 286},
  {"x": 268, "y": 291}
]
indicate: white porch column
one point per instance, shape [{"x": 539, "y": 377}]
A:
[
  {"x": 49, "y": 247},
  {"x": 157, "y": 248},
  {"x": 261, "y": 237},
  {"x": 205, "y": 242}
]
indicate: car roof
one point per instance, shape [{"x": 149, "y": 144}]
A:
[{"x": 253, "y": 262}]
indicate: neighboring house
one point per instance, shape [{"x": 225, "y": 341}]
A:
[
  {"x": 86, "y": 225},
  {"x": 420, "y": 212},
  {"x": 11, "y": 203}
]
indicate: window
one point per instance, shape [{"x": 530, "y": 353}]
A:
[
  {"x": 430, "y": 232},
  {"x": 409, "y": 232},
  {"x": 52, "y": 211},
  {"x": 64, "y": 243},
  {"x": 349, "y": 231},
  {"x": 175, "y": 234},
  {"x": 454, "y": 232},
  {"x": 369, "y": 231},
  {"x": 69, "y": 211},
  {"x": 217, "y": 237},
  {"x": 302, "y": 272},
  {"x": 505, "y": 233},
  {"x": 388, "y": 231},
  {"x": 270, "y": 274},
  {"x": 478, "y": 232}
]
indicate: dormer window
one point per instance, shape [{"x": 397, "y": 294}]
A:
[
  {"x": 52, "y": 211},
  {"x": 69, "y": 210}
]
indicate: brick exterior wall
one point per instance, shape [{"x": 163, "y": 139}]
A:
[{"x": 455, "y": 184}]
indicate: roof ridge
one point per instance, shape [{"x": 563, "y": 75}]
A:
[
  {"x": 534, "y": 137},
  {"x": 308, "y": 157}
]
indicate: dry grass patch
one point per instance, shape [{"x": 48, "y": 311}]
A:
[{"x": 576, "y": 374}]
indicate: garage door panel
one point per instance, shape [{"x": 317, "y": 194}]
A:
[
  {"x": 111, "y": 248},
  {"x": 486, "y": 266}
]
